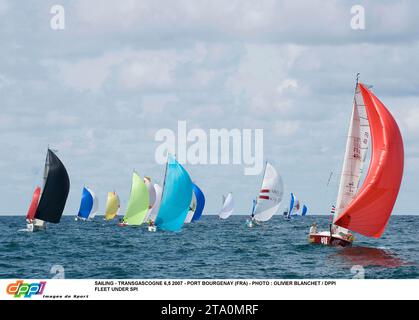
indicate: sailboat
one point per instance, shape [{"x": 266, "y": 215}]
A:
[
  {"x": 88, "y": 205},
  {"x": 151, "y": 218},
  {"x": 366, "y": 209},
  {"x": 294, "y": 207},
  {"x": 228, "y": 206},
  {"x": 151, "y": 192},
  {"x": 56, "y": 186},
  {"x": 197, "y": 205},
  {"x": 270, "y": 196},
  {"x": 176, "y": 197},
  {"x": 138, "y": 204},
  {"x": 112, "y": 206}
]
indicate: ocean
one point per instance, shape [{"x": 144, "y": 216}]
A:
[{"x": 210, "y": 248}]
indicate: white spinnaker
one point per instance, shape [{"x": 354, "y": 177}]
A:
[
  {"x": 151, "y": 192},
  {"x": 192, "y": 209},
  {"x": 270, "y": 195},
  {"x": 228, "y": 207},
  {"x": 355, "y": 155},
  {"x": 95, "y": 206},
  {"x": 155, "y": 209}
]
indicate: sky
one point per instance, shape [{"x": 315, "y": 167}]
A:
[{"x": 100, "y": 89}]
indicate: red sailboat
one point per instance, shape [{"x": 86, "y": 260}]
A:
[{"x": 366, "y": 210}]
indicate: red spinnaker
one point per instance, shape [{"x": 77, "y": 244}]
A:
[
  {"x": 34, "y": 204},
  {"x": 370, "y": 210}
]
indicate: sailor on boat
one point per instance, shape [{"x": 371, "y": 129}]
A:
[
  {"x": 151, "y": 226},
  {"x": 313, "y": 228}
]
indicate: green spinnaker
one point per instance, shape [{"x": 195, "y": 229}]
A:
[{"x": 138, "y": 202}]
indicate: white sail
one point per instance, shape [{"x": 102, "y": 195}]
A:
[
  {"x": 95, "y": 206},
  {"x": 270, "y": 195},
  {"x": 151, "y": 191},
  {"x": 355, "y": 154},
  {"x": 192, "y": 209},
  {"x": 155, "y": 209},
  {"x": 228, "y": 207}
]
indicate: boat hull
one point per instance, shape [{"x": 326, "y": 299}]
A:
[
  {"x": 327, "y": 240},
  {"x": 122, "y": 224}
]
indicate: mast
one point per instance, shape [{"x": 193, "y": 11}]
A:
[{"x": 165, "y": 173}]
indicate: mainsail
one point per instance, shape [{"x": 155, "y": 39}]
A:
[
  {"x": 270, "y": 194},
  {"x": 228, "y": 207},
  {"x": 34, "y": 204},
  {"x": 95, "y": 206},
  {"x": 192, "y": 208},
  {"x": 138, "y": 202},
  {"x": 55, "y": 191},
  {"x": 151, "y": 192},
  {"x": 368, "y": 210},
  {"x": 197, "y": 205},
  {"x": 156, "y": 207},
  {"x": 176, "y": 198},
  {"x": 112, "y": 206},
  {"x": 355, "y": 155}
]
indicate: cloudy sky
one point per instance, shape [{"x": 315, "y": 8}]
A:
[{"x": 121, "y": 70}]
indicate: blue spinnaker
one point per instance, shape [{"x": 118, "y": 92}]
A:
[
  {"x": 200, "y": 203},
  {"x": 291, "y": 204},
  {"x": 304, "y": 211},
  {"x": 86, "y": 204},
  {"x": 177, "y": 195}
]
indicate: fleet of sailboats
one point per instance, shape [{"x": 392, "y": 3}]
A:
[{"x": 364, "y": 209}]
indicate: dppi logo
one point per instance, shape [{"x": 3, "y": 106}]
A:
[{"x": 27, "y": 290}]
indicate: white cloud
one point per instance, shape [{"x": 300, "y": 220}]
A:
[{"x": 149, "y": 70}]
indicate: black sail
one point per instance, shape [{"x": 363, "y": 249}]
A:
[{"x": 55, "y": 192}]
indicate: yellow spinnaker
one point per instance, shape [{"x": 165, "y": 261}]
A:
[{"x": 112, "y": 206}]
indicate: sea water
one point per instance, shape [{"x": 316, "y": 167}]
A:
[{"x": 208, "y": 249}]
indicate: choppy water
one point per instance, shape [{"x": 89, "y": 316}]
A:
[{"x": 210, "y": 248}]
